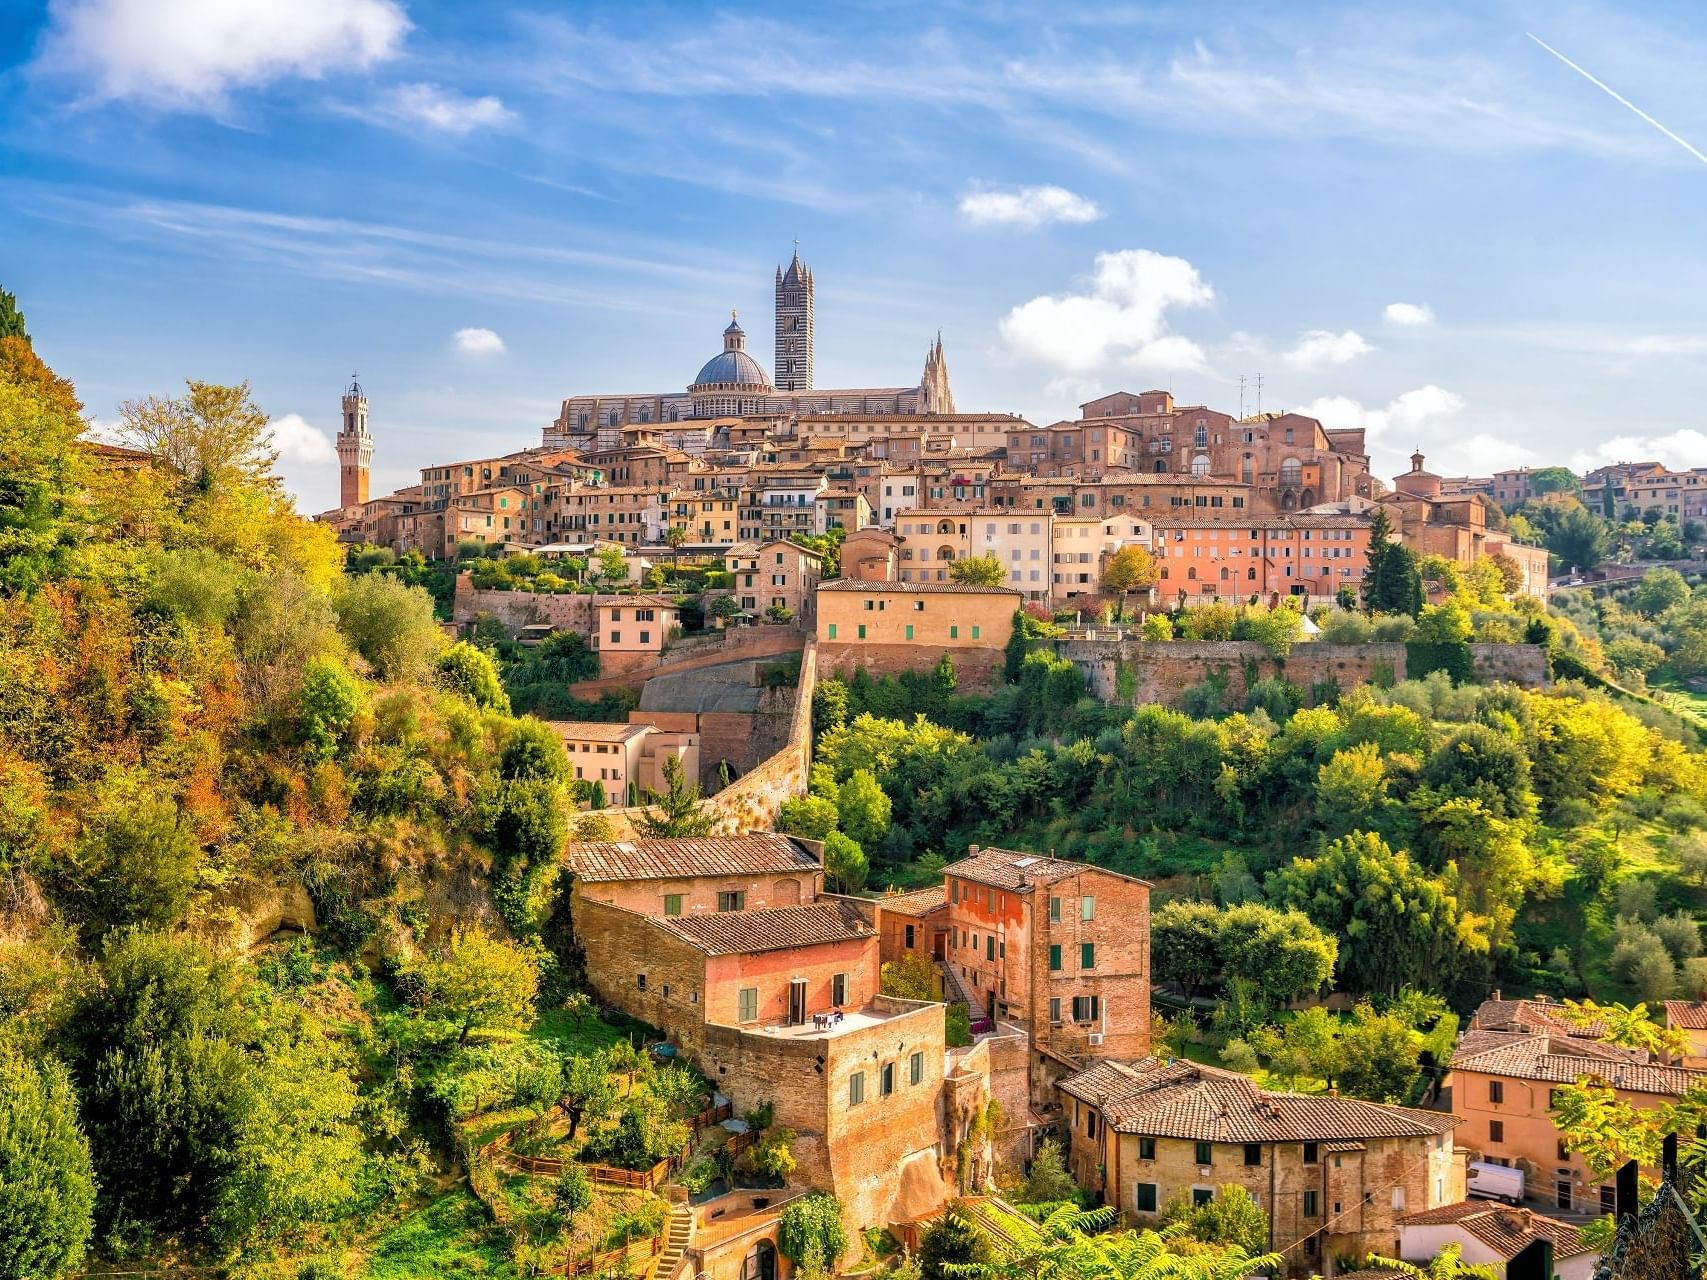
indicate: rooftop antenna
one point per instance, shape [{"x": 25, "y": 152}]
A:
[
  {"x": 1259, "y": 395},
  {"x": 1241, "y": 396}
]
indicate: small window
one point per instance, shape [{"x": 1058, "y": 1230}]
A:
[
  {"x": 640, "y": 982},
  {"x": 1146, "y": 1197},
  {"x": 1496, "y": 1091},
  {"x": 862, "y": 631},
  {"x": 916, "y": 1069},
  {"x": 672, "y": 904},
  {"x": 1055, "y": 1010},
  {"x": 1496, "y": 1131},
  {"x": 1312, "y": 1205},
  {"x": 732, "y": 900},
  {"x": 975, "y": 632},
  {"x": 953, "y": 632},
  {"x": 1087, "y": 955},
  {"x": 1054, "y": 957},
  {"x": 886, "y": 1080},
  {"x": 1201, "y": 1196},
  {"x": 1311, "y": 1152},
  {"x": 1087, "y": 908},
  {"x": 1054, "y": 908},
  {"x": 832, "y": 631},
  {"x": 990, "y": 946},
  {"x": 856, "y": 1088},
  {"x": 749, "y": 1004},
  {"x": 1146, "y": 1148},
  {"x": 909, "y": 631},
  {"x": 838, "y": 988},
  {"x": 1253, "y": 1153},
  {"x": 1203, "y": 1153},
  {"x": 909, "y": 935}
]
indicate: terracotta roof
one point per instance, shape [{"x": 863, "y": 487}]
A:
[
  {"x": 1205, "y": 1104},
  {"x": 961, "y": 588},
  {"x": 918, "y": 902},
  {"x": 650, "y": 602},
  {"x": 759, "y": 853},
  {"x": 596, "y": 730},
  {"x": 1528, "y": 1055},
  {"x": 1691, "y": 1015},
  {"x": 728, "y": 933},
  {"x": 1011, "y": 868},
  {"x": 1512, "y": 1015},
  {"x": 1505, "y": 1230}
]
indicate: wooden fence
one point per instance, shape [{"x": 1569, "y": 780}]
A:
[{"x": 610, "y": 1260}]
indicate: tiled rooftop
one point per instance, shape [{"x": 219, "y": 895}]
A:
[
  {"x": 596, "y": 730},
  {"x": 1505, "y": 1230},
  {"x": 1205, "y": 1104},
  {"x": 1552, "y": 1059},
  {"x": 1011, "y": 868},
  {"x": 723, "y": 933},
  {"x": 759, "y": 853},
  {"x": 916, "y": 903},
  {"x": 1691, "y": 1015}
]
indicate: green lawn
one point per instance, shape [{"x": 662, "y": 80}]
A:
[{"x": 450, "y": 1238}]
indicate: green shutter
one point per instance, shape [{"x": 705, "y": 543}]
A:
[{"x": 1054, "y": 957}]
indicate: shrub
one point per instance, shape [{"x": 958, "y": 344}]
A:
[{"x": 810, "y": 1230}]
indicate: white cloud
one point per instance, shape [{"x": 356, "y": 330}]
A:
[
  {"x": 299, "y": 441},
  {"x": 1319, "y": 347},
  {"x": 1121, "y": 318},
  {"x": 1027, "y": 207},
  {"x": 444, "y": 109},
  {"x": 1678, "y": 450},
  {"x": 1408, "y": 410},
  {"x": 1409, "y": 315},
  {"x": 478, "y": 342},
  {"x": 189, "y": 54}
]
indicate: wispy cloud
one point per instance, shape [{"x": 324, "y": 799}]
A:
[
  {"x": 1027, "y": 207},
  {"x": 1320, "y": 347},
  {"x": 443, "y": 109},
  {"x": 1408, "y": 315},
  {"x": 1679, "y": 449},
  {"x": 1620, "y": 99},
  {"x": 1410, "y": 409},
  {"x": 1120, "y": 318},
  {"x": 189, "y": 55}
]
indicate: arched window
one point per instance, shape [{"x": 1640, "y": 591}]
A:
[
  {"x": 1200, "y": 465},
  {"x": 645, "y": 413},
  {"x": 1200, "y": 438},
  {"x": 1251, "y": 573},
  {"x": 946, "y": 526},
  {"x": 1161, "y": 466},
  {"x": 582, "y": 419},
  {"x": 1291, "y": 472},
  {"x": 945, "y": 553},
  {"x": 613, "y": 417}
]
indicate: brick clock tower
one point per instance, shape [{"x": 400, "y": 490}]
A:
[
  {"x": 793, "y": 370},
  {"x": 355, "y": 448}
]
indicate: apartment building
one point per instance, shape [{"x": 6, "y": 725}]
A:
[
  {"x": 1304, "y": 555},
  {"x": 691, "y": 876},
  {"x": 936, "y": 615},
  {"x": 775, "y": 573},
  {"x": 625, "y": 759},
  {"x": 1081, "y": 547},
  {"x": 841, "y": 509},
  {"x": 1504, "y": 1074},
  {"x": 632, "y": 630},
  {"x": 1059, "y": 948},
  {"x": 1334, "y": 1175},
  {"x": 931, "y": 541},
  {"x": 1023, "y": 542}
]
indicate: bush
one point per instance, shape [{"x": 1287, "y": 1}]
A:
[
  {"x": 810, "y": 1231},
  {"x": 389, "y": 624},
  {"x": 1346, "y": 627},
  {"x": 1049, "y": 1182},
  {"x": 467, "y": 669}
]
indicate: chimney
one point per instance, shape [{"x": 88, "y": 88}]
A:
[
  {"x": 971, "y": 851},
  {"x": 1495, "y": 994}
]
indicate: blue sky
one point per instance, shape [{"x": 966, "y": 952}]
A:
[{"x": 1413, "y": 217}]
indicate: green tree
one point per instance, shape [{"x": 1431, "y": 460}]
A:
[
  {"x": 571, "y": 1194},
  {"x": 863, "y": 808},
  {"x": 910, "y": 977},
  {"x": 586, "y": 1093},
  {"x": 1444, "y": 623},
  {"x": 810, "y": 1231},
  {"x": 47, "y": 1189},
  {"x": 1129, "y": 569},
  {"x": 533, "y": 751},
  {"x": 141, "y": 861},
  {"x": 1659, "y": 590},
  {"x": 675, "y": 537},
  {"x": 1448, "y": 1264},
  {"x": 676, "y": 812},
  {"x": 1578, "y": 537},
  {"x": 1378, "y": 1056},
  {"x": 1230, "y": 1218},
  {"x": 1185, "y": 944},
  {"x": 216, "y": 439},
  {"x": 389, "y": 624},
  {"x": 845, "y": 863},
  {"x": 468, "y": 669},
  {"x": 1048, "y": 1181},
  {"x": 482, "y": 981},
  {"x": 810, "y": 817},
  {"x": 331, "y": 699},
  {"x": 953, "y": 1240},
  {"x": 1307, "y": 1047},
  {"x": 1281, "y": 953},
  {"x": 613, "y": 566},
  {"x": 1391, "y": 580},
  {"x": 978, "y": 571},
  {"x": 11, "y": 319}
]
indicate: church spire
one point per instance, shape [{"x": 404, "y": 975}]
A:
[{"x": 794, "y": 325}]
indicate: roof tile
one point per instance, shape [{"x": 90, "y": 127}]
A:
[
  {"x": 722, "y": 933},
  {"x": 758, "y": 853}
]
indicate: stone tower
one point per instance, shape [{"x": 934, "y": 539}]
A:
[
  {"x": 936, "y": 398},
  {"x": 355, "y": 448},
  {"x": 793, "y": 367}
]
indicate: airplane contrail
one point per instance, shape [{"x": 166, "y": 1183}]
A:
[{"x": 1617, "y": 97}]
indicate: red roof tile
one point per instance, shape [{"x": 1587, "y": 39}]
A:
[
  {"x": 759, "y": 853},
  {"x": 1504, "y": 1229},
  {"x": 724, "y": 933}
]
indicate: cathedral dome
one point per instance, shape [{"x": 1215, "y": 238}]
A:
[
  {"x": 736, "y": 367},
  {"x": 732, "y": 366}
]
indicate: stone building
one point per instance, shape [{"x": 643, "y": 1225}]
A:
[
  {"x": 693, "y": 876},
  {"x": 1306, "y": 555},
  {"x": 1060, "y": 949},
  {"x": 732, "y": 384},
  {"x": 1494, "y": 1235},
  {"x": 355, "y": 448},
  {"x": 1334, "y": 1175},
  {"x": 778, "y": 572}
]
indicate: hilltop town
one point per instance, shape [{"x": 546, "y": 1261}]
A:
[{"x": 763, "y": 830}]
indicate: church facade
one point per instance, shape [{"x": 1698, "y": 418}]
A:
[{"x": 732, "y": 384}]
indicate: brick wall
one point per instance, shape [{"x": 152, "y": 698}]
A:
[
  {"x": 1163, "y": 671},
  {"x": 699, "y": 893},
  {"x": 516, "y": 609}
]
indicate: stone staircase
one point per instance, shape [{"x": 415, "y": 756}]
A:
[
  {"x": 677, "y": 1238},
  {"x": 952, "y": 990}
]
